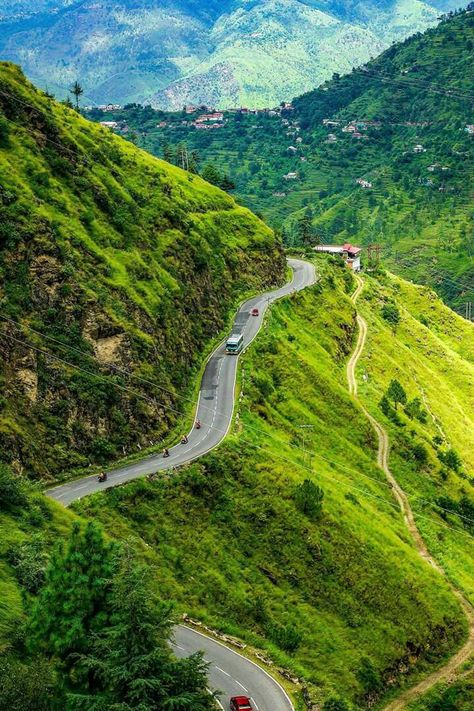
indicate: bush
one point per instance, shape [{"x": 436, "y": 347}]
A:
[
  {"x": 391, "y": 314},
  {"x": 420, "y": 454},
  {"x": 286, "y": 637},
  {"x": 29, "y": 560},
  {"x": 451, "y": 458},
  {"x": 309, "y": 499},
  {"x": 414, "y": 410},
  {"x": 335, "y": 703},
  {"x": 12, "y": 490},
  {"x": 368, "y": 676}
]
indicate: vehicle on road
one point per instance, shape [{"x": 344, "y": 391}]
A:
[
  {"x": 234, "y": 344},
  {"x": 255, "y": 312},
  {"x": 240, "y": 703},
  {"x": 102, "y": 477}
]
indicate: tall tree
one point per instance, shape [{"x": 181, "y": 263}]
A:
[
  {"x": 77, "y": 91},
  {"x": 73, "y": 602},
  {"x": 396, "y": 393},
  {"x": 131, "y": 657}
]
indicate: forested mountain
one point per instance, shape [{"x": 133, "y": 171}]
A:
[
  {"x": 116, "y": 263},
  {"x": 380, "y": 155},
  {"x": 225, "y": 53}
]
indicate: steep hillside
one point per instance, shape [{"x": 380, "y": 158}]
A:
[
  {"x": 400, "y": 125},
  {"x": 172, "y": 52},
  {"x": 332, "y": 587},
  {"x": 116, "y": 264}
]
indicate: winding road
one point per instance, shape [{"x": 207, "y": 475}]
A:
[
  {"x": 229, "y": 671},
  {"x": 448, "y": 671}
]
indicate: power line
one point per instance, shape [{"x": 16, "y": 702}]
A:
[{"x": 251, "y": 427}]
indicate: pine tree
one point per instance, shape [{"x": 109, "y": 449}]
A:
[
  {"x": 72, "y": 603},
  {"x": 131, "y": 659}
]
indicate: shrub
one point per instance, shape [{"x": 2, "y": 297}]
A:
[
  {"x": 451, "y": 458},
  {"x": 414, "y": 410},
  {"x": 336, "y": 703},
  {"x": 12, "y": 490},
  {"x": 391, "y": 314},
  {"x": 286, "y": 637},
  {"x": 309, "y": 499},
  {"x": 368, "y": 676},
  {"x": 420, "y": 454}
]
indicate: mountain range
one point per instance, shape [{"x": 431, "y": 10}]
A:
[{"x": 229, "y": 53}]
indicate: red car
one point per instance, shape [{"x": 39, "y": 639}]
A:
[
  {"x": 240, "y": 703},
  {"x": 254, "y": 312}
]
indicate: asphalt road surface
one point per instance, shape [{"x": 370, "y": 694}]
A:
[
  {"x": 231, "y": 673},
  {"x": 216, "y": 400}
]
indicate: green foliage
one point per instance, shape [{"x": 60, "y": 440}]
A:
[
  {"x": 415, "y": 410},
  {"x": 12, "y": 490},
  {"x": 129, "y": 658},
  {"x": 391, "y": 313},
  {"x": 28, "y": 686},
  {"x": 309, "y": 499},
  {"x": 451, "y": 458},
  {"x": 396, "y": 393},
  {"x": 336, "y": 703},
  {"x": 29, "y": 560},
  {"x": 73, "y": 602},
  {"x": 368, "y": 676},
  {"x": 104, "y": 249},
  {"x": 286, "y": 636}
]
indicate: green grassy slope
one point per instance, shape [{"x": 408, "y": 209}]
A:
[
  {"x": 432, "y": 355},
  {"x": 342, "y": 599},
  {"x": 129, "y": 260}
]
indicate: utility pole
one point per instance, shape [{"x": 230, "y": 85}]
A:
[
  {"x": 468, "y": 306},
  {"x": 305, "y": 427}
]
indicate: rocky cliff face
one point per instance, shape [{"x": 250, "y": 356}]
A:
[{"x": 116, "y": 271}]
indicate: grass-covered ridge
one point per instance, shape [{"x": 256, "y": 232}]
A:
[
  {"x": 340, "y": 595},
  {"x": 129, "y": 260}
]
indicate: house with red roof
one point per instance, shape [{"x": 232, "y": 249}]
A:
[{"x": 350, "y": 254}]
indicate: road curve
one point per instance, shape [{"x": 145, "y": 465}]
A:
[
  {"x": 231, "y": 673},
  {"x": 216, "y": 399}
]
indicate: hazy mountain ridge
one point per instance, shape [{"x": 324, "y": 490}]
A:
[{"x": 178, "y": 51}]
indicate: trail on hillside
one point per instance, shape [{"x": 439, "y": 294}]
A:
[{"x": 448, "y": 671}]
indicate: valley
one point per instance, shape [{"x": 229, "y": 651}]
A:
[
  {"x": 224, "y": 54},
  {"x": 235, "y": 470},
  {"x": 379, "y": 156}
]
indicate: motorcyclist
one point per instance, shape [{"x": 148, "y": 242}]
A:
[
  {"x": 198, "y": 424},
  {"x": 184, "y": 439},
  {"x": 166, "y": 452},
  {"x": 102, "y": 476}
]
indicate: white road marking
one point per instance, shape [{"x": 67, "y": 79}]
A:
[
  {"x": 254, "y": 703},
  {"x": 241, "y": 686},
  {"x": 222, "y": 670}
]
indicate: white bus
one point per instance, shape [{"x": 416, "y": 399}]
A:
[{"x": 234, "y": 344}]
